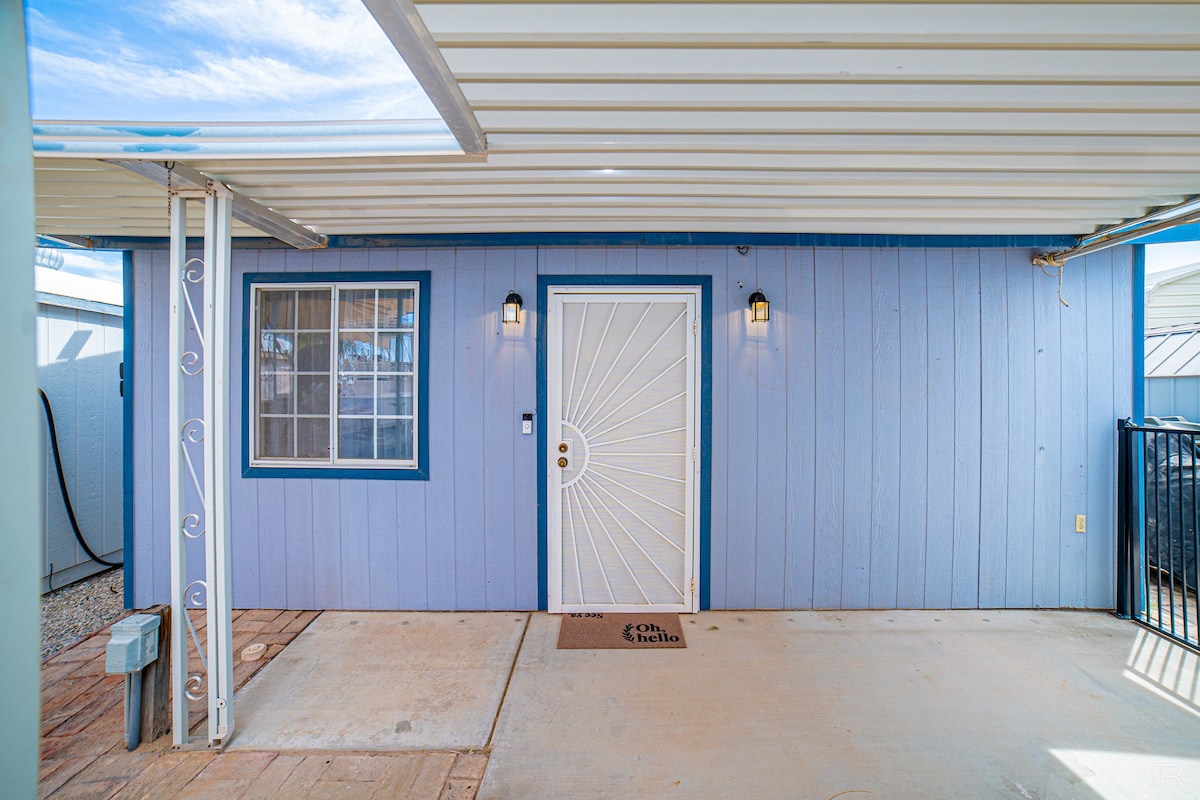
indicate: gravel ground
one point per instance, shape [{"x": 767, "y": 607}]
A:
[{"x": 73, "y": 612}]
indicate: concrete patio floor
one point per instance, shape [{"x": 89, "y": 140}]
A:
[
  {"x": 856, "y": 704},
  {"x": 947, "y": 704},
  {"x": 415, "y": 681}
]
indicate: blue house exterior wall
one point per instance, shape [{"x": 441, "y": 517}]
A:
[{"x": 915, "y": 428}]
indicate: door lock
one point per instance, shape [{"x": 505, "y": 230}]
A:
[
  {"x": 562, "y": 462},
  {"x": 562, "y": 447}
]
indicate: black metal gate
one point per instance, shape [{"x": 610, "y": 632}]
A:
[{"x": 1158, "y": 527}]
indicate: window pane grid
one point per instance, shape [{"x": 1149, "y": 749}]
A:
[
  {"x": 376, "y": 330},
  {"x": 352, "y": 385},
  {"x": 285, "y": 364}
]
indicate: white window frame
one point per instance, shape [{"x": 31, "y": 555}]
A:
[{"x": 253, "y": 386}]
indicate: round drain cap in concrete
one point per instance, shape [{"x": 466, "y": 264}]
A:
[{"x": 254, "y": 652}]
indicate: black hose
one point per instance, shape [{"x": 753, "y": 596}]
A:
[{"x": 62, "y": 486}]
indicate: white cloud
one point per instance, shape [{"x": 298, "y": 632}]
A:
[
  {"x": 43, "y": 28},
  {"x": 249, "y": 60},
  {"x": 328, "y": 30},
  {"x": 238, "y": 80},
  {"x": 106, "y": 265}
]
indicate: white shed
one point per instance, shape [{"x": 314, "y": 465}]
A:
[{"x": 80, "y": 326}]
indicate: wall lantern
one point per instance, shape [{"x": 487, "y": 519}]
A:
[
  {"x": 760, "y": 309},
  {"x": 510, "y": 311}
]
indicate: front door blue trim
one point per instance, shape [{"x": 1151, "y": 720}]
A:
[{"x": 599, "y": 281}]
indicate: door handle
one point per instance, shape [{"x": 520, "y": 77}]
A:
[{"x": 562, "y": 462}]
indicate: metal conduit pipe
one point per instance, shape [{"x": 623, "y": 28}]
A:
[
  {"x": 1159, "y": 214},
  {"x": 1060, "y": 257}
]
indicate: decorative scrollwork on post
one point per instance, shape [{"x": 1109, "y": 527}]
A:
[
  {"x": 192, "y": 433},
  {"x": 191, "y": 364},
  {"x": 196, "y": 689},
  {"x": 191, "y": 527},
  {"x": 193, "y": 270},
  {"x": 196, "y": 596},
  {"x": 193, "y": 430}
]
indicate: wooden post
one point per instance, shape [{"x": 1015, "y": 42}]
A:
[{"x": 156, "y": 681}]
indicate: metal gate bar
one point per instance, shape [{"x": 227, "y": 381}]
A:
[{"x": 1159, "y": 527}]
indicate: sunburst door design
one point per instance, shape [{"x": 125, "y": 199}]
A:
[{"x": 623, "y": 458}]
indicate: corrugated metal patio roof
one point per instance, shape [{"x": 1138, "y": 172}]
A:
[
  {"x": 1173, "y": 352},
  {"x": 891, "y": 118}
]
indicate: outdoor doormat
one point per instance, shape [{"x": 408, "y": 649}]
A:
[{"x": 619, "y": 631}]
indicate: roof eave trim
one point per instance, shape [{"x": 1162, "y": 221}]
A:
[{"x": 403, "y": 25}]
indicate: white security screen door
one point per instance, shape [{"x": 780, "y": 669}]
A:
[{"x": 622, "y": 406}]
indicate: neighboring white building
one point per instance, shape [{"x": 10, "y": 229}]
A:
[{"x": 1173, "y": 297}]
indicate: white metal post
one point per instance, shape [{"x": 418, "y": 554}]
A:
[
  {"x": 176, "y": 417},
  {"x": 199, "y": 464},
  {"x": 217, "y": 227}
]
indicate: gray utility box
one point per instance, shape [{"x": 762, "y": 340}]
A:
[{"x": 134, "y": 644}]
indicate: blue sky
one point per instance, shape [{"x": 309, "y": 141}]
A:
[
  {"x": 215, "y": 61},
  {"x": 1168, "y": 256}
]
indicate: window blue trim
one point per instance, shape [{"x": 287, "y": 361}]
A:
[
  {"x": 664, "y": 239},
  {"x": 705, "y": 284},
  {"x": 421, "y": 473},
  {"x": 127, "y": 426},
  {"x": 1139, "y": 333}
]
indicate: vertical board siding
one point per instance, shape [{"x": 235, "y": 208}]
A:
[
  {"x": 967, "y": 425},
  {"x": 522, "y": 481},
  {"x": 147, "y": 453},
  {"x": 885, "y": 427},
  {"x": 1072, "y": 551},
  {"x": 857, "y": 324},
  {"x": 940, "y": 465},
  {"x": 1048, "y": 415},
  {"x": 501, "y": 417},
  {"x": 912, "y": 529},
  {"x": 741, "y": 424},
  {"x": 468, "y": 465},
  {"x": 994, "y": 428},
  {"x": 1022, "y": 440},
  {"x": 801, "y": 441},
  {"x": 830, "y": 423},
  {"x": 440, "y": 531},
  {"x": 770, "y": 579},
  {"x": 912, "y": 429},
  {"x": 1098, "y": 566},
  {"x": 259, "y": 561}
]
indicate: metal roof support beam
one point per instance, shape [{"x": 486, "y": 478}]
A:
[
  {"x": 407, "y": 32},
  {"x": 1060, "y": 257},
  {"x": 245, "y": 210},
  {"x": 1171, "y": 212}
]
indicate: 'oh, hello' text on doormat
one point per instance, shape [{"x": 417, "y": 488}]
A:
[{"x": 619, "y": 631}]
